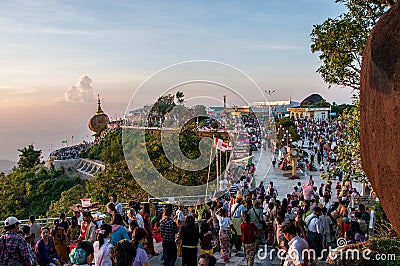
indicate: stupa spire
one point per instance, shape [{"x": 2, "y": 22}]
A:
[{"x": 99, "y": 110}]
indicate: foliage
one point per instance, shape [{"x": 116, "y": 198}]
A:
[
  {"x": 383, "y": 227},
  {"x": 349, "y": 154},
  {"x": 179, "y": 97},
  {"x": 115, "y": 179},
  {"x": 322, "y": 103},
  {"x": 374, "y": 252},
  {"x": 386, "y": 246},
  {"x": 189, "y": 140},
  {"x": 282, "y": 125},
  {"x": 29, "y": 191},
  {"x": 340, "y": 41},
  {"x": 67, "y": 199},
  {"x": 109, "y": 150},
  {"x": 339, "y": 109},
  {"x": 161, "y": 108},
  {"x": 29, "y": 157}
]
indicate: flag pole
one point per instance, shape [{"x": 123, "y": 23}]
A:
[
  {"x": 209, "y": 166},
  {"x": 220, "y": 165},
  {"x": 216, "y": 164},
  {"x": 226, "y": 160}
]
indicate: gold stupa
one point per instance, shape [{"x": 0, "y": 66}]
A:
[{"x": 98, "y": 122}]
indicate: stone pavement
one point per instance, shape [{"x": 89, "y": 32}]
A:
[
  {"x": 265, "y": 172},
  {"x": 237, "y": 258}
]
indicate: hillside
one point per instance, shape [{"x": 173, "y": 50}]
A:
[{"x": 117, "y": 173}]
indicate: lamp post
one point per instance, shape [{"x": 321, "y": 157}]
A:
[
  {"x": 270, "y": 123},
  {"x": 287, "y": 136},
  {"x": 269, "y": 93}
]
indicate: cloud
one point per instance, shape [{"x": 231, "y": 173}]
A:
[{"x": 81, "y": 92}]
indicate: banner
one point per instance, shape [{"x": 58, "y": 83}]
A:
[{"x": 219, "y": 144}]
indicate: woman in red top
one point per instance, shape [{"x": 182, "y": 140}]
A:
[
  {"x": 249, "y": 233},
  {"x": 147, "y": 225}
]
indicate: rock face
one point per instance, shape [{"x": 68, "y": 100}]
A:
[{"x": 380, "y": 107}]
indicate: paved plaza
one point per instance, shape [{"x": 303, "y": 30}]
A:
[{"x": 264, "y": 172}]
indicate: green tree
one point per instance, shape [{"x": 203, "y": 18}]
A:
[
  {"x": 339, "y": 109},
  {"x": 348, "y": 153},
  {"x": 29, "y": 157},
  {"x": 162, "y": 107},
  {"x": 179, "y": 97},
  {"x": 282, "y": 125},
  {"x": 29, "y": 191},
  {"x": 67, "y": 199},
  {"x": 340, "y": 41}
]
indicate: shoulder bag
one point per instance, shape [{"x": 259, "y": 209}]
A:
[{"x": 263, "y": 223}]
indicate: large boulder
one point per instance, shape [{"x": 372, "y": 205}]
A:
[{"x": 380, "y": 106}]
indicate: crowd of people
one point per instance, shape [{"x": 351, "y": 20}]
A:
[
  {"x": 241, "y": 219},
  {"x": 246, "y": 217},
  {"x": 71, "y": 152}
]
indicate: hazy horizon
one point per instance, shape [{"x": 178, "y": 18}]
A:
[{"x": 57, "y": 56}]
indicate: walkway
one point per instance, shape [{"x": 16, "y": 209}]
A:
[
  {"x": 264, "y": 172},
  {"x": 237, "y": 258}
]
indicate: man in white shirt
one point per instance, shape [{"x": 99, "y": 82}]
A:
[
  {"x": 326, "y": 202},
  {"x": 315, "y": 230},
  {"x": 118, "y": 206},
  {"x": 34, "y": 228},
  {"x": 179, "y": 216},
  {"x": 296, "y": 254}
]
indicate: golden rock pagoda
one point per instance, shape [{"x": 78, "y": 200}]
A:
[{"x": 98, "y": 122}]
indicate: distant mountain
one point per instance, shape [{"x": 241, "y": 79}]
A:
[{"x": 6, "y": 166}]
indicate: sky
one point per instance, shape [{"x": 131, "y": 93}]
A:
[{"x": 56, "y": 56}]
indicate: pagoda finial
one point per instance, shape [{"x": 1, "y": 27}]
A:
[{"x": 99, "y": 110}]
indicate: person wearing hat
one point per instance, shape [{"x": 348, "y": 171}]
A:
[
  {"x": 202, "y": 211},
  {"x": 13, "y": 247}
]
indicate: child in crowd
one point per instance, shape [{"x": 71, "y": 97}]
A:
[{"x": 206, "y": 238}]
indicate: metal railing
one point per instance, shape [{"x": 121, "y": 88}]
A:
[
  {"x": 367, "y": 201},
  {"x": 41, "y": 221}
]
